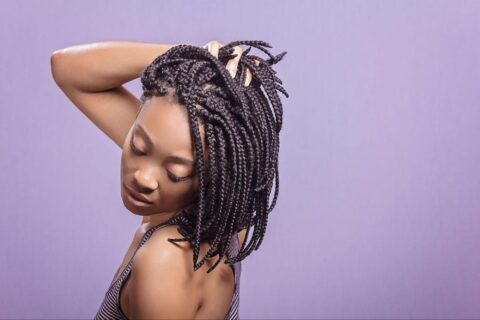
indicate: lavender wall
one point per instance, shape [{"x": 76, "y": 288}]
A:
[{"x": 378, "y": 215}]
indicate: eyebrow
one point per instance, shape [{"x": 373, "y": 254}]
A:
[{"x": 175, "y": 158}]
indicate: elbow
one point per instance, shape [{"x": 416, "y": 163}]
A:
[{"x": 58, "y": 72}]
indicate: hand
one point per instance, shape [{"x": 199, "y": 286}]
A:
[{"x": 214, "y": 46}]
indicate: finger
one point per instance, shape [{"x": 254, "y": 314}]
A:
[
  {"x": 214, "y": 47},
  {"x": 207, "y": 46},
  {"x": 232, "y": 64},
  {"x": 249, "y": 75},
  {"x": 208, "y": 85}
]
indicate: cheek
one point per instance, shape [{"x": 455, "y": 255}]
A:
[
  {"x": 178, "y": 196},
  {"x": 190, "y": 192},
  {"x": 179, "y": 190},
  {"x": 196, "y": 183},
  {"x": 123, "y": 165}
]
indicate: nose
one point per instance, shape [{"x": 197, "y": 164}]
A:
[{"x": 144, "y": 180}]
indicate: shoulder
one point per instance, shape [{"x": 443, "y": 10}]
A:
[
  {"x": 241, "y": 236},
  {"x": 158, "y": 250},
  {"x": 161, "y": 283}
]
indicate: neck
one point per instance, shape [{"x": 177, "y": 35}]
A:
[{"x": 160, "y": 218}]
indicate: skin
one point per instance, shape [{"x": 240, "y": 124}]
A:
[
  {"x": 150, "y": 169},
  {"x": 162, "y": 283},
  {"x": 165, "y": 122}
]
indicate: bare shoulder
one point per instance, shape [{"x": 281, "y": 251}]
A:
[
  {"x": 161, "y": 279},
  {"x": 164, "y": 285},
  {"x": 159, "y": 250},
  {"x": 241, "y": 236}
]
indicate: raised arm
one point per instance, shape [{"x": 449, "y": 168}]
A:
[{"x": 91, "y": 76}]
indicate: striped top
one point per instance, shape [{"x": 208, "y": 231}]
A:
[{"x": 110, "y": 307}]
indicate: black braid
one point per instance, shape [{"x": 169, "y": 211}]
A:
[{"x": 242, "y": 141}]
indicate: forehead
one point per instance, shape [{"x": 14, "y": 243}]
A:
[{"x": 166, "y": 122}]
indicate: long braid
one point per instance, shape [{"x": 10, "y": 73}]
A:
[{"x": 242, "y": 126}]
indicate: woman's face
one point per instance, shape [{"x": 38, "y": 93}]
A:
[{"x": 158, "y": 162}]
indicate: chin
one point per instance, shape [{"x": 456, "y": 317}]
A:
[{"x": 135, "y": 209}]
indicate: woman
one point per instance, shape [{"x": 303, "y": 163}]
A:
[{"x": 199, "y": 157}]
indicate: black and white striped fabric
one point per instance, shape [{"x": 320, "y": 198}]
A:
[{"x": 110, "y": 307}]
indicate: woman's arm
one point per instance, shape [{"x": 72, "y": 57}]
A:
[
  {"x": 101, "y": 66},
  {"x": 91, "y": 76}
]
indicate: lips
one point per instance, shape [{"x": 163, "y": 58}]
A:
[{"x": 137, "y": 196}]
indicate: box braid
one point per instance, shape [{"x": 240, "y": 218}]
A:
[{"x": 242, "y": 141}]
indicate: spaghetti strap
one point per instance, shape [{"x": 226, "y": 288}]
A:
[
  {"x": 144, "y": 239},
  {"x": 233, "y": 312},
  {"x": 111, "y": 309}
]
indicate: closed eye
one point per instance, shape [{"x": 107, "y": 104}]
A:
[
  {"x": 172, "y": 177},
  {"x": 135, "y": 149},
  {"x": 177, "y": 179}
]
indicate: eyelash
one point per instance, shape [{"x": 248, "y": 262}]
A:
[{"x": 139, "y": 153}]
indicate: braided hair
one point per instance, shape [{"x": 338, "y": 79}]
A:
[{"x": 242, "y": 141}]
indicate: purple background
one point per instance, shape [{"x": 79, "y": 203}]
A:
[{"x": 378, "y": 215}]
